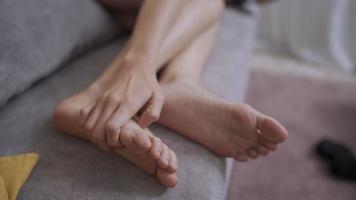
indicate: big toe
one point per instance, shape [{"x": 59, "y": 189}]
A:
[
  {"x": 271, "y": 130},
  {"x": 142, "y": 141},
  {"x": 166, "y": 178}
]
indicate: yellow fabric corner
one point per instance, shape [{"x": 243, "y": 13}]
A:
[
  {"x": 3, "y": 191},
  {"x": 14, "y": 171}
]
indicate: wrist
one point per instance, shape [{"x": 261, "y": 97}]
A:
[
  {"x": 138, "y": 59},
  {"x": 143, "y": 50}
]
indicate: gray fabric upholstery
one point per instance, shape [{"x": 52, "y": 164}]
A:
[
  {"x": 70, "y": 168},
  {"x": 38, "y": 36}
]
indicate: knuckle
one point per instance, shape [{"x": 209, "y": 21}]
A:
[
  {"x": 127, "y": 128},
  {"x": 84, "y": 111},
  {"x": 137, "y": 137},
  {"x": 127, "y": 61},
  {"x": 102, "y": 97},
  {"x": 87, "y": 127},
  {"x": 105, "y": 95},
  {"x": 130, "y": 124},
  {"x": 156, "y": 139},
  {"x": 130, "y": 105},
  {"x": 154, "y": 116},
  {"x": 111, "y": 128},
  {"x": 126, "y": 101},
  {"x": 160, "y": 96},
  {"x": 96, "y": 136},
  {"x": 111, "y": 143},
  {"x": 112, "y": 98}
]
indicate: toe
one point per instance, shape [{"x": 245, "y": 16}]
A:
[
  {"x": 269, "y": 145},
  {"x": 156, "y": 148},
  {"x": 252, "y": 153},
  {"x": 271, "y": 130},
  {"x": 164, "y": 158},
  {"x": 241, "y": 157},
  {"x": 173, "y": 162},
  {"x": 262, "y": 150},
  {"x": 142, "y": 140},
  {"x": 166, "y": 178},
  {"x": 126, "y": 138}
]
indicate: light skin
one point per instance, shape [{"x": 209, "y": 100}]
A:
[
  {"x": 136, "y": 83},
  {"x": 227, "y": 129},
  {"x": 136, "y": 86}
]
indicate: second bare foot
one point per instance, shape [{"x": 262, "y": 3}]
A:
[{"x": 229, "y": 129}]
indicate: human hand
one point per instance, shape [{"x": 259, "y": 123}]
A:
[{"x": 134, "y": 89}]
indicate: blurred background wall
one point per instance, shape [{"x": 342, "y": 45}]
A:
[{"x": 321, "y": 31}]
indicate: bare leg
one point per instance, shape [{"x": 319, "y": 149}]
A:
[
  {"x": 228, "y": 129},
  {"x": 189, "y": 24},
  {"x": 185, "y": 64},
  {"x": 150, "y": 155},
  {"x": 133, "y": 85}
]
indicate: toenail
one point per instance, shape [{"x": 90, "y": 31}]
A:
[{"x": 258, "y": 131}]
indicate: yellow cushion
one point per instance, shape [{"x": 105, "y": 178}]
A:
[
  {"x": 3, "y": 191},
  {"x": 14, "y": 171}
]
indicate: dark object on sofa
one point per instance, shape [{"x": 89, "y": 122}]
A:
[{"x": 340, "y": 158}]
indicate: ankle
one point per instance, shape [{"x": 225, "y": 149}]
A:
[{"x": 168, "y": 78}]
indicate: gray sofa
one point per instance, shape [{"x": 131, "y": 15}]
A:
[{"x": 70, "y": 168}]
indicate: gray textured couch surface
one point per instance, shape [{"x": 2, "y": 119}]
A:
[
  {"x": 70, "y": 168},
  {"x": 38, "y": 36}
]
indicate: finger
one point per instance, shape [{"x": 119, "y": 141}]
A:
[
  {"x": 126, "y": 137},
  {"x": 123, "y": 114},
  {"x": 164, "y": 159},
  {"x": 173, "y": 162},
  {"x": 113, "y": 137},
  {"x": 152, "y": 112},
  {"x": 99, "y": 132},
  {"x": 155, "y": 151},
  {"x": 102, "y": 146},
  {"x": 85, "y": 113},
  {"x": 90, "y": 123}
]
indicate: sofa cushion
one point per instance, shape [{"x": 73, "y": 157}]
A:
[{"x": 38, "y": 36}]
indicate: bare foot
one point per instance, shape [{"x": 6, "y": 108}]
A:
[
  {"x": 127, "y": 86},
  {"x": 140, "y": 146},
  {"x": 228, "y": 129}
]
